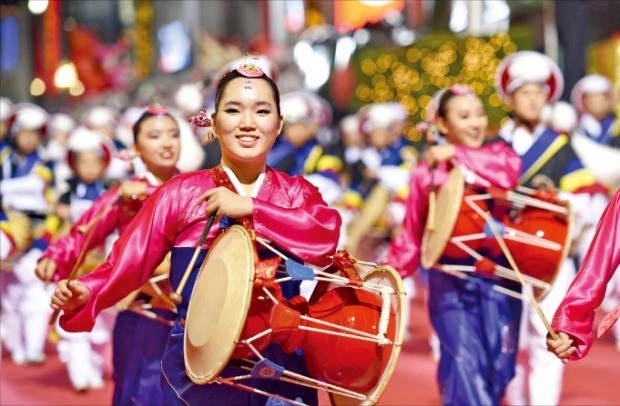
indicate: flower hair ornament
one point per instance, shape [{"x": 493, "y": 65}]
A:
[
  {"x": 461, "y": 90},
  {"x": 201, "y": 119}
]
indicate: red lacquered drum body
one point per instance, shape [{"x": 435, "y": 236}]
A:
[
  {"x": 539, "y": 262},
  {"x": 346, "y": 362}
]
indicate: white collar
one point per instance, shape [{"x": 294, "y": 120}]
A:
[
  {"x": 239, "y": 187},
  {"x": 151, "y": 179}
]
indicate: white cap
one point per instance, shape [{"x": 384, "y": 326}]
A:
[
  {"x": 84, "y": 139},
  {"x": 29, "y": 116},
  {"x": 189, "y": 98},
  {"x": 100, "y": 117},
  {"x": 296, "y": 107},
  {"x": 306, "y": 107},
  {"x": 61, "y": 123},
  {"x": 350, "y": 123},
  {"x": 560, "y": 116},
  {"x": 526, "y": 67},
  {"x": 6, "y": 108},
  {"x": 588, "y": 85},
  {"x": 381, "y": 115}
]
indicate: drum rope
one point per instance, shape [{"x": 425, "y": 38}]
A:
[
  {"x": 384, "y": 319},
  {"x": 500, "y": 270},
  {"x": 455, "y": 272},
  {"x": 361, "y": 335},
  {"x": 525, "y": 201},
  {"x": 295, "y": 378},
  {"x": 500, "y": 240}
]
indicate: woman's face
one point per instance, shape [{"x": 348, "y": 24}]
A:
[
  {"x": 466, "y": 122},
  {"x": 89, "y": 166},
  {"x": 246, "y": 120},
  {"x": 158, "y": 143}
]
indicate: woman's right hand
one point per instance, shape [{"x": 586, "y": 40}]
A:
[
  {"x": 562, "y": 347},
  {"x": 439, "y": 153},
  {"x": 69, "y": 295},
  {"x": 132, "y": 189},
  {"x": 46, "y": 269}
]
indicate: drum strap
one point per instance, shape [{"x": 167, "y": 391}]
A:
[
  {"x": 265, "y": 269},
  {"x": 220, "y": 177}
]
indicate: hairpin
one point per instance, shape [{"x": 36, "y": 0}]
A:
[
  {"x": 157, "y": 108},
  {"x": 461, "y": 90},
  {"x": 201, "y": 119}
]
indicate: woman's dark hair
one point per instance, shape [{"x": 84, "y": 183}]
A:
[
  {"x": 233, "y": 74},
  {"x": 449, "y": 94},
  {"x": 443, "y": 102},
  {"x": 145, "y": 116}
]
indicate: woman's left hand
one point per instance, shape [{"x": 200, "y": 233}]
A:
[
  {"x": 224, "y": 202},
  {"x": 562, "y": 347}
]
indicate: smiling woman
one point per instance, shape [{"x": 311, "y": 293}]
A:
[
  {"x": 286, "y": 210},
  {"x": 477, "y": 328}
]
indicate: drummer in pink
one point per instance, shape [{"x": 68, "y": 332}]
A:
[
  {"x": 477, "y": 327},
  {"x": 574, "y": 318},
  {"x": 287, "y": 210}
]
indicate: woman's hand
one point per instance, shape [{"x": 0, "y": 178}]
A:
[
  {"x": 131, "y": 189},
  {"x": 438, "y": 153},
  {"x": 69, "y": 295},
  {"x": 562, "y": 347},
  {"x": 224, "y": 202},
  {"x": 46, "y": 269}
]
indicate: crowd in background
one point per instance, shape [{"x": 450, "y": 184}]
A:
[{"x": 361, "y": 163}]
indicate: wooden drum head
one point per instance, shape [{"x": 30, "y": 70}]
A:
[
  {"x": 219, "y": 305},
  {"x": 447, "y": 207}
]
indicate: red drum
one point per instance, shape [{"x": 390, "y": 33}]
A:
[
  {"x": 350, "y": 335},
  {"x": 539, "y": 258},
  {"x": 536, "y": 227},
  {"x": 455, "y": 218}
]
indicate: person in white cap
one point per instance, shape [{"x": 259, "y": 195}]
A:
[
  {"x": 527, "y": 81},
  {"x": 593, "y": 98},
  {"x": 88, "y": 156},
  {"x": 105, "y": 120},
  {"x": 6, "y": 111},
  {"x": 386, "y": 162},
  {"x": 24, "y": 177},
  {"x": 24, "y": 183},
  {"x": 298, "y": 152},
  {"x": 55, "y": 150}
]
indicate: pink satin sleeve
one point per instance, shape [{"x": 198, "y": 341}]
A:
[
  {"x": 66, "y": 250},
  {"x": 496, "y": 162},
  {"x": 404, "y": 251},
  {"x": 575, "y": 315},
  {"x": 143, "y": 245},
  {"x": 307, "y": 228}
]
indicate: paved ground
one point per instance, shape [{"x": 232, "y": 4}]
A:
[{"x": 593, "y": 381}]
